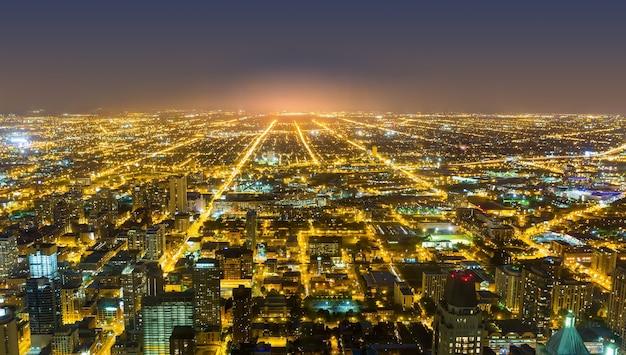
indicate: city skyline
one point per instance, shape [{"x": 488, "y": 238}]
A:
[
  {"x": 282, "y": 177},
  {"x": 410, "y": 57}
]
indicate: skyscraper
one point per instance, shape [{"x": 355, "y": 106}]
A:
[
  {"x": 155, "y": 242},
  {"x": 509, "y": 286},
  {"x": 133, "y": 280},
  {"x": 161, "y": 314},
  {"x": 616, "y": 315},
  {"x": 458, "y": 324},
  {"x": 538, "y": 279},
  {"x": 8, "y": 254},
  {"x": 571, "y": 295},
  {"x": 206, "y": 286},
  {"x": 42, "y": 302},
  {"x": 251, "y": 229},
  {"x": 42, "y": 260},
  {"x": 178, "y": 195},
  {"x": 242, "y": 315},
  {"x": 72, "y": 300}
]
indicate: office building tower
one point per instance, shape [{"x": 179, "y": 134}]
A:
[
  {"x": 251, "y": 229},
  {"x": 42, "y": 302},
  {"x": 206, "y": 286},
  {"x": 458, "y": 324},
  {"x": 242, "y": 315},
  {"x": 616, "y": 315},
  {"x": 9, "y": 339},
  {"x": 509, "y": 286},
  {"x": 178, "y": 195},
  {"x": 42, "y": 260},
  {"x": 8, "y": 254},
  {"x": 160, "y": 315},
  {"x": 433, "y": 284},
  {"x": 182, "y": 341},
  {"x": 133, "y": 280}
]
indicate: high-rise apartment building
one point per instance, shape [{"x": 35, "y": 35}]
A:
[
  {"x": 155, "y": 242},
  {"x": 178, "y": 195},
  {"x": 8, "y": 254},
  {"x": 509, "y": 286},
  {"x": 133, "y": 280},
  {"x": 242, "y": 315},
  {"x": 616, "y": 315},
  {"x": 571, "y": 295},
  {"x": 538, "y": 279},
  {"x": 206, "y": 286},
  {"x": 433, "y": 284}
]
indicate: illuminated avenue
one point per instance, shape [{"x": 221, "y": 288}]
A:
[{"x": 307, "y": 232}]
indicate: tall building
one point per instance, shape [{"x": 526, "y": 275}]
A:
[
  {"x": 242, "y": 315},
  {"x": 251, "y": 229},
  {"x": 433, "y": 284},
  {"x": 42, "y": 260},
  {"x": 155, "y": 242},
  {"x": 604, "y": 260},
  {"x": 133, "y": 280},
  {"x": 458, "y": 324},
  {"x": 616, "y": 316},
  {"x": 571, "y": 295},
  {"x": 8, "y": 254},
  {"x": 155, "y": 283},
  {"x": 140, "y": 197},
  {"x": 9, "y": 339},
  {"x": 235, "y": 263},
  {"x": 206, "y": 286},
  {"x": 160, "y": 315},
  {"x": 509, "y": 286},
  {"x": 72, "y": 301},
  {"x": 42, "y": 302},
  {"x": 178, "y": 195},
  {"x": 65, "y": 340},
  {"x": 538, "y": 279}
]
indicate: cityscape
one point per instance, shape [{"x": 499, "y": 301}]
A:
[
  {"x": 312, "y": 178},
  {"x": 216, "y": 232}
]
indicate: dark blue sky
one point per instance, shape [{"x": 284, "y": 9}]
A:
[{"x": 489, "y": 56}]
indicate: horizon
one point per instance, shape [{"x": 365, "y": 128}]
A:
[{"x": 454, "y": 57}]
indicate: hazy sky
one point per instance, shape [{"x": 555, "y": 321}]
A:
[{"x": 489, "y": 56}]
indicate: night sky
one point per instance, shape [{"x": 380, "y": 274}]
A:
[{"x": 405, "y": 56}]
